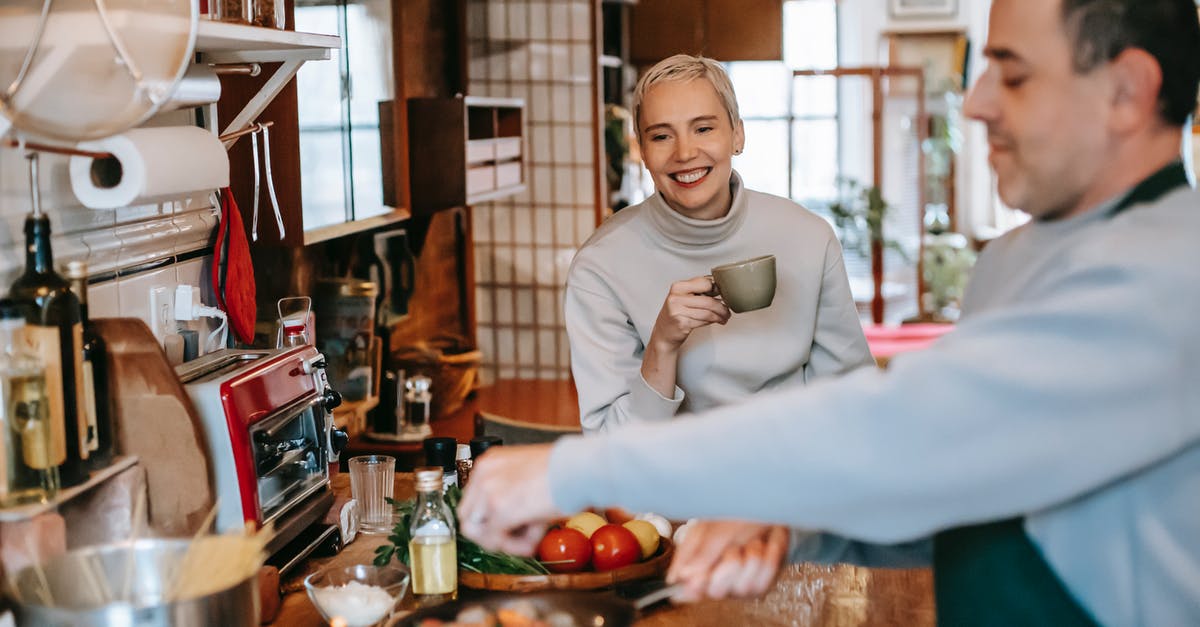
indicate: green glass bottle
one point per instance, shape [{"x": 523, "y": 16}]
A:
[{"x": 54, "y": 334}]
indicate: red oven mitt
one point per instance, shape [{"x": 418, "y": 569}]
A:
[{"x": 233, "y": 274}]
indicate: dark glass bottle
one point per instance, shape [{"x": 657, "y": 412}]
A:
[
  {"x": 53, "y": 333},
  {"x": 97, "y": 411}
]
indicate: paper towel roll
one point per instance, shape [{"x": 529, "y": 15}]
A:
[{"x": 149, "y": 165}]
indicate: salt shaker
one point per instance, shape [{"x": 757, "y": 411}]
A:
[
  {"x": 417, "y": 401},
  {"x": 462, "y": 459}
]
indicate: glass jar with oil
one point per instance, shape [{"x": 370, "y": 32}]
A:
[
  {"x": 432, "y": 547},
  {"x": 28, "y": 473}
]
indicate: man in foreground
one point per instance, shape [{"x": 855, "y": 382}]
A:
[{"x": 1050, "y": 445}]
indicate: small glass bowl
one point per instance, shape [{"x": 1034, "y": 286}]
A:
[{"x": 352, "y": 592}]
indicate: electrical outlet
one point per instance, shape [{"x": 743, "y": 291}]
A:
[{"x": 162, "y": 311}]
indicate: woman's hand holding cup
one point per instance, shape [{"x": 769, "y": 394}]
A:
[{"x": 688, "y": 307}]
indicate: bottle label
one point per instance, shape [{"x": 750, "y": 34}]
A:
[
  {"x": 43, "y": 342},
  {"x": 27, "y": 416},
  {"x": 85, "y": 423},
  {"x": 92, "y": 435}
]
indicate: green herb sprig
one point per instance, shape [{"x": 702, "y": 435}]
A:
[{"x": 471, "y": 556}]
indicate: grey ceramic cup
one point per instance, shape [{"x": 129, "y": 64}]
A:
[{"x": 746, "y": 285}]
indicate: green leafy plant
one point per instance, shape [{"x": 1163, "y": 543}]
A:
[
  {"x": 858, "y": 214},
  {"x": 471, "y": 556}
]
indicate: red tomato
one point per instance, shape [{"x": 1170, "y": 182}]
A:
[
  {"x": 614, "y": 546},
  {"x": 564, "y": 543}
]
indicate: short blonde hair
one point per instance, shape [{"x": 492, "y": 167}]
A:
[{"x": 683, "y": 68}]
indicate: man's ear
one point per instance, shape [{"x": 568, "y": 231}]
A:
[{"x": 1137, "y": 80}]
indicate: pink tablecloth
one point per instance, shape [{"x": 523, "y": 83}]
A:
[{"x": 887, "y": 341}]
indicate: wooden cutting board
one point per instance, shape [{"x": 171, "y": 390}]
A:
[{"x": 155, "y": 420}]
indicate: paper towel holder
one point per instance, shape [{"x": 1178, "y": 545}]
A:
[{"x": 75, "y": 152}]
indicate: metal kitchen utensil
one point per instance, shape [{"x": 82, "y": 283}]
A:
[
  {"x": 77, "y": 70},
  {"x": 74, "y": 601}
]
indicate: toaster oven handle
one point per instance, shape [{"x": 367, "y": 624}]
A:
[{"x": 286, "y": 416}]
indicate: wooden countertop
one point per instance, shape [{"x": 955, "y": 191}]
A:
[
  {"x": 806, "y": 594},
  {"x": 549, "y": 404}
]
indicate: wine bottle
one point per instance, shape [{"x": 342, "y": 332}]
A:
[
  {"x": 53, "y": 334},
  {"x": 26, "y": 473},
  {"x": 96, "y": 409}
]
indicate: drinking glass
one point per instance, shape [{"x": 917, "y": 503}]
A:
[{"x": 372, "y": 480}]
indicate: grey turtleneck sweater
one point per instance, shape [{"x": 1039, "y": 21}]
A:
[{"x": 620, "y": 279}]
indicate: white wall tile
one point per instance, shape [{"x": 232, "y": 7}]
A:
[
  {"x": 581, "y": 21},
  {"x": 583, "y": 225},
  {"x": 564, "y": 226},
  {"x": 527, "y": 373},
  {"x": 582, "y": 63},
  {"x": 483, "y": 263},
  {"x": 476, "y": 18},
  {"x": 501, "y": 224},
  {"x": 146, "y": 241},
  {"x": 518, "y": 64},
  {"x": 539, "y": 144},
  {"x": 543, "y": 227},
  {"x": 543, "y": 180},
  {"x": 560, "y": 20},
  {"x": 508, "y": 372},
  {"x": 548, "y": 307},
  {"x": 481, "y": 223},
  {"x": 585, "y": 145},
  {"x": 523, "y": 267},
  {"x": 560, "y": 64},
  {"x": 518, "y": 20},
  {"x": 194, "y": 231},
  {"x": 525, "y": 310},
  {"x": 523, "y": 225},
  {"x": 502, "y": 268},
  {"x": 104, "y": 251},
  {"x": 585, "y": 186},
  {"x": 497, "y": 20},
  {"x": 504, "y": 306},
  {"x": 487, "y": 343},
  {"x": 483, "y": 305},
  {"x": 563, "y": 150},
  {"x": 505, "y": 345},
  {"x": 561, "y": 97},
  {"x": 497, "y": 65},
  {"x": 539, "y": 20},
  {"x": 76, "y": 219},
  {"x": 104, "y": 300},
  {"x": 584, "y": 104},
  {"x": 525, "y": 348},
  {"x": 564, "y": 182},
  {"x": 547, "y": 347},
  {"x": 540, "y": 108}
]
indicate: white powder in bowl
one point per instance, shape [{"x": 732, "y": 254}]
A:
[{"x": 358, "y": 604}]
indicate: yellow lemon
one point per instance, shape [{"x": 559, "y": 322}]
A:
[
  {"x": 646, "y": 534},
  {"x": 586, "y": 523}
]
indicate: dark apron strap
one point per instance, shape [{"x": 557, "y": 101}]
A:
[{"x": 993, "y": 574}]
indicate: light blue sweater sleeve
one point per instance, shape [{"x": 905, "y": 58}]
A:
[{"x": 1017, "y": 410}]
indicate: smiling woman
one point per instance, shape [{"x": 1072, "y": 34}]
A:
[{"x": 637, "y": 357}]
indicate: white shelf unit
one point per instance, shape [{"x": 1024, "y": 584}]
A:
[{"x": 225, "y": 42}]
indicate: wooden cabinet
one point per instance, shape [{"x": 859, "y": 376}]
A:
[
  {"x": 463, "y": 151},
  {"x": 726, "y": 30}
]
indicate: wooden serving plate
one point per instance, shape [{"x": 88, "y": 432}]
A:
[{"x": 585, "y": 580}]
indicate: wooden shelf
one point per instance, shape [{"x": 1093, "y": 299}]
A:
[
  {"x": 480, "y": 148},
  {"x": 26, "y": 512},
  {"x": 334, "y": 231}
]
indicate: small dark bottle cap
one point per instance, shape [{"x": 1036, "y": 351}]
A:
[
  {"x": 440, "y": 452},
  {"x": 483, "y": 443}
]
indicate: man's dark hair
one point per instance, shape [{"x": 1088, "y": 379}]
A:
[{"x": 1167, "y": 29}]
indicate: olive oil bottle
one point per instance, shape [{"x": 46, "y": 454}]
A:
[
  {"x": 433, "y": 547},
  {"x": 54, "y": 334},
  {"x": 26, "y": 473}
]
